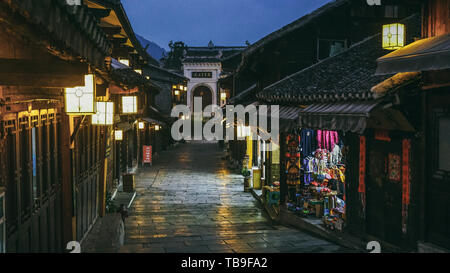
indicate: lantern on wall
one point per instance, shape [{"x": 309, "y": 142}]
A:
[
  {"x": 223, "y": 95},
  {"x": 80, "y": 100},
  {"x": 118, "y": 135},
  {"x": 129, "y": 104},
  {"x": 157, "y": 127},
  {"x": 177, "y": 92},
  {"x": 243, "y": 131},
  {"x": 125, "y": 62},
  {"x": 141, "y": 125},
  {"x": 393, "y": 36},
  {"x": 105, "y": 113},
  {"x": 185, "y": 88},
  {"x": 174, "y": 87}
]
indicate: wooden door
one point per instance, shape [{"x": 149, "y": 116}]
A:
[
  {"x": 438, "y": 169},
  {"x": 384, "y": 190}
]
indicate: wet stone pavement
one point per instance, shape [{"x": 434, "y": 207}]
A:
[{"x": 189, "y": 202}]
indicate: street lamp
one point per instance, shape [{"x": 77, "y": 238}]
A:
[
  {"x": 118, "y": 135},
  {"x": 105, "y": 113},
  {"x": 141, "y": 125},
  {"x": 393, "y": 36},
  {"x": 80, "y": 100}
]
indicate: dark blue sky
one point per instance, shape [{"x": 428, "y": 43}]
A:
[{"x": 225, "y": 22}]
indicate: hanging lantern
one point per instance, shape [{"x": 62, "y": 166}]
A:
[
  {"x": 177, "y": 92},
  {"x": 174, "y": 87},
  {"x": 125, "y": 62},
  {"x": 129, "y": 104},
  {"x": 139, "y": 71},
  {"x": 223, "y": 96},
  {"x": 118, "y": 135},
  {"x": 141, "y": 125},
  {"x": 80, "y": 100},
  {"x": 105, "y": 113},
  {"x": 181, "y": 87},
  {"x": 157, "y": 128},
  {"x": 393, "y": 36},
  {"x": 185, "y": 88},
  {"x": 147, "y": 77}
]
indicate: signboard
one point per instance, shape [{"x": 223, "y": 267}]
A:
[
  {"x": 201, "y": 74},
  {"x": 147, "y": 154}
]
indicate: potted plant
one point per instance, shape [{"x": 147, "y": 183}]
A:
[{"x": 247, "y": 174}]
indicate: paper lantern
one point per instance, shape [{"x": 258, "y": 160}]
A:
[
  {"x": 118, "y": 135},
  {"x": 393, "y": 36},
  {"x": 105, "y": 113},
  {"x": 129, "y": 104},
  {"x": 80, "y": 100}
]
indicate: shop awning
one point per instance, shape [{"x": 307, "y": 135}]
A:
[
  {"x": 152, "y": 120},
  {"x": 287, "y": 116},
  {"x": 124, "y": 126},
  {"x": 116, "y": 90},
  {"x": 423, "y": 55},
  {"x": 339, "y": 116}
]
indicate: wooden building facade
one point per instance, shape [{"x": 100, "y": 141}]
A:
[{"x": 56, "y": 168}]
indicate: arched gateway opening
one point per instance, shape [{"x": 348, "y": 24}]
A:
[{"x": 205, "y": 93}]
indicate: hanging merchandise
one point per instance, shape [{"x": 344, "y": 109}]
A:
[
  {"x": 320, "y": 178},
  {"x": 293, "y": 159}
]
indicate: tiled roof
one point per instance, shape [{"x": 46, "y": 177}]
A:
[
  {"x": 68, "y": 29},
  {"x": 345, "y": 76}
]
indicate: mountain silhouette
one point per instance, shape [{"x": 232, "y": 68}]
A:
[{"x": 153, "y": 49}]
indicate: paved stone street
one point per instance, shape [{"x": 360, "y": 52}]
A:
[{"x": 188, "y": 201}]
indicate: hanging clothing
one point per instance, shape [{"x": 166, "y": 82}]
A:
[{"x": 307, "y": 142}]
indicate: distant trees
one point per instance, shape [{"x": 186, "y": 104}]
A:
[{"x": 173, "y": 59}]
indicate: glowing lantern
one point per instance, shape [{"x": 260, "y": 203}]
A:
[
  {"x": 118, "y": 135},
  {"x": 129, "y": 104},
  {"x": 147, "y": 77},
  {"x": 185, "y": 88},
  {"x": 105, "y": 113},
  {"x": 80, "y": 99},
  {"x": 125, "y": 62},
  {"x": 157, "y": 128},
  {"x": 141, "y": 125},
  {"x": 243, "y": 131},
  {"x": 223, "y": 96},
  {"x": 174, "y": 87},
  {"x": 177, "y": 92},
  {"x": 181, "y": 87},
  {"x": 139, "y": 71},
  {"x": 393, "y": 36}
]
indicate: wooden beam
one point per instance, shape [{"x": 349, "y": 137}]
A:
[
  {"x": 111, "y": 30},
  {"x": 52, "y": 73},
  {"x": 41, "y": 80},
  {"x": 47, "y": 66},
  {"x": 100, "y": 13}
]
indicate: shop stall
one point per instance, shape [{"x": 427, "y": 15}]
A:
[{"x": 315, "y": 175}]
